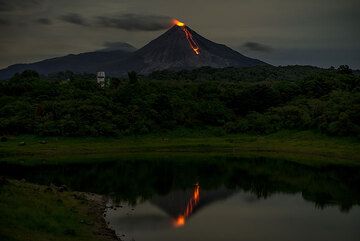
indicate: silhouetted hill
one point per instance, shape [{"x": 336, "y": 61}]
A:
[
  {"x": 90, "y": 62},
  {"x": 170, "y": 51}
]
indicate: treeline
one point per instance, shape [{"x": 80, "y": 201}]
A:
[{"x": 237, "y": 100}]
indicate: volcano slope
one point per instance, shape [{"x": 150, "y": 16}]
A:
[{"x": 172, "y": 50}]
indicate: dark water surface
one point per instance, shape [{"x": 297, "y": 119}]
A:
[{"x": 220, "y": 198}]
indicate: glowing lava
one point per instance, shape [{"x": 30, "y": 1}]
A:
[
  {"x": 194, "y": 200},
  {"x": 178, "y": 23},
  {"x": 195, "y": 47}
]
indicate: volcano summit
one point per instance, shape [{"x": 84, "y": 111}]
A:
[{"x": 178, "y": 48}]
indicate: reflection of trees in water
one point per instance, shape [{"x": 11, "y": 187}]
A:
[{"x": 131, "y": 180}]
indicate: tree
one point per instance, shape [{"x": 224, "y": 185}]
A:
[
  {"x": 133, "y": 78},
  {"x": 344, "y": 69}
]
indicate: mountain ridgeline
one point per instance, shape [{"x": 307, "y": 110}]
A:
[{"x": 170, "y": 51}]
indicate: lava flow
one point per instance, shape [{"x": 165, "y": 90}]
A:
[
  {"x": 195, "y": 47},
  {"x": 194, "y": 200}
]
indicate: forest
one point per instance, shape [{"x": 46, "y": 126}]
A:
[{"x": 256, "y": 100}]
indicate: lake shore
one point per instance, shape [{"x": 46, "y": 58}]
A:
[
  {"x": 302, "y": 146},
  {"x": 35, "y": 212}
]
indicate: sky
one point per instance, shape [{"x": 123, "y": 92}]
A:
[{"x": 281, "y": 32}]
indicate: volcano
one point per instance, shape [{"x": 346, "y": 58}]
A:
[
  {"x": 175, "y": 50},
  {"x": 178, "y": 48}
]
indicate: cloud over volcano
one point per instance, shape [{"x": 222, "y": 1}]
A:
[
  {"x": 12, "y": 5},
  {"x": 128, "y": 22},
  {"x": 135, "y": 22},
  {"x": 254, "y": 46},
  {"x": 74, "y": 18}
]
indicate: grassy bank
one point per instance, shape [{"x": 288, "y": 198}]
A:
[
  {"x": 305, "y": 147},
  {"x": 38, "y": 213}
]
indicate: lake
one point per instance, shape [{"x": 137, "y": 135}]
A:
[{"x": 220, "y": 198}]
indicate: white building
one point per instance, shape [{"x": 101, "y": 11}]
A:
[{"x": 101, "y": 78}]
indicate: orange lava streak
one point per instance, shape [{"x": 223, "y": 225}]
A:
[
  {"x": 189, "y": 36},
  {"x": 194, "y": 200},
  {"x": 192, "y": 43}
]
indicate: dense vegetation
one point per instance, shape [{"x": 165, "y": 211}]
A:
[{"x": 246, "y": 100}]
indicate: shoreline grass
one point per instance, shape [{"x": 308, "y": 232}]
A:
[
  {"x": 301, "y": 146},
  {"x": 40, "y": 213}
]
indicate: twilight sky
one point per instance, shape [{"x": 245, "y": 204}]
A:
[{"x": 281, "y": 32}]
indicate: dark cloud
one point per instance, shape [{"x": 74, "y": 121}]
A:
[
  {"x": 115, "y": 44},
  {"x": 4, "y": 22},
  {"x": 128, "y": 22},
  {"x": 74, "y": 19},
  {"x": 12, "y": 5},
  {"x": 109, "y": 46},
  {"x": 6, "y": 6},
  {"x": 44, "y": 21},
  {"x": 135, "y": 22},
  {"x": 257, "y": 47}
]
